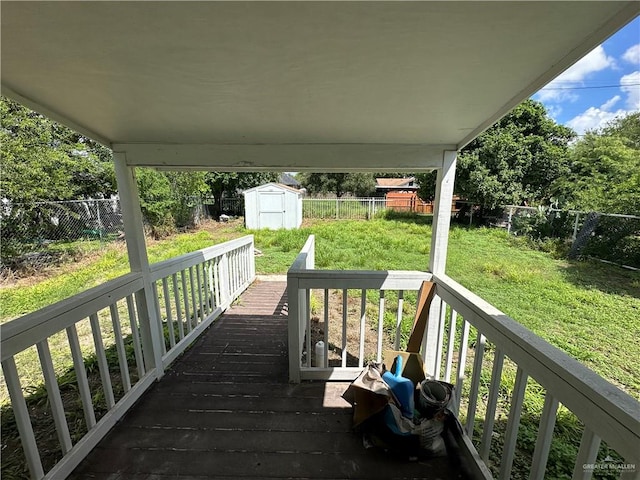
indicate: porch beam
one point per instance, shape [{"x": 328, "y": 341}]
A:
[
  {"x": 139, "y": 262},
  {"x": 373, "y": 157}
]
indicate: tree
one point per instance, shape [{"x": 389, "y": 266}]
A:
[
  {"x": 167, "y": 199},
  {"x": 154, "y": 191},
  {"x": 427, "y": 185},
  {"x": 516, "y": 160},
  {"x": 45, "y": 161},
  {"x": 228, "y": 183},
  {"x": 359, "y": 184},
  {"x": 42, "y": 160},
  {"x": 627, "y": 128},
  {"x": 605, "y": 169},
  {"x": 186, "y": 190}
]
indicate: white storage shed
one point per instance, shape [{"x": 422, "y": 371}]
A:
[{"x": 272, "y": 206}]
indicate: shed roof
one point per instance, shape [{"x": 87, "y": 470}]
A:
[{"x": 324, "y": 86}]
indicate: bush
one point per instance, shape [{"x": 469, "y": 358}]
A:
[{"x": 542, "y": 223}]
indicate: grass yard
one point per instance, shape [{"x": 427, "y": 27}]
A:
[{"x": 588, "y": 309}]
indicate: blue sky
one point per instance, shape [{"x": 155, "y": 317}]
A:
[{"x": 603, "y": 85}]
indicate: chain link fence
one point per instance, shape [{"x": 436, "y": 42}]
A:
[
  {"x": 610, "y": 237},
  {"x": 43, "y": 233},
  {"x": 38, "y": 234}
]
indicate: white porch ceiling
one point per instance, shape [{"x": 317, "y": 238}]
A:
[{"x": 332, "y": 86}]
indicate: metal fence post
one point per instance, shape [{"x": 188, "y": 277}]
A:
[
  {"x": 510, "y": 217},
  {"x": 575, "y": 228},
  {"x": 99, "y": 220}
]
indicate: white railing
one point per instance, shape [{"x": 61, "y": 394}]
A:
[
  {"x": 190, "y": 292},
  {"x": 502, "y": 347},
  {"x": 606, "y": 412},
  {"x": 302, "y": 280}
]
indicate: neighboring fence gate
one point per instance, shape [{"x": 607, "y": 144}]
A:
[{"x": 342, "y": 208}]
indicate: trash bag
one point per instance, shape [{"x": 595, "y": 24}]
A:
[
  {"x": 395, "y": 433},
  {"x": 377, "y": 415}
]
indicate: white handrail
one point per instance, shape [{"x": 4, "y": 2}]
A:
[
  {"x": 611, "y": 413},
  {"x": 210, "y": 280},
  {"x": 173, "y": 265},
  {"x": 23, "y": 332},
  {"x": 302, "y": 278}
]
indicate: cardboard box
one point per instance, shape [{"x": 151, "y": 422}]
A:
[
  {"x": 425, "y": 296},
  {"x": 368, "y": 394},
  {"x": 412, "y": 364}
]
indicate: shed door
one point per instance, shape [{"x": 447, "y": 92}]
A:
[{"x": 271, "y": 210}]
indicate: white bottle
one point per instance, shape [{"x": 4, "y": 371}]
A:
[{"x": 319, "y": 354}]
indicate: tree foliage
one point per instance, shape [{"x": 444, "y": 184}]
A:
[
  {"x": 359, "y": 184},
  {"x": 517, "y": 160},
  {"x": 627, "y": 128},
  {"x": 605, "y": 169},
  {"x": 42, "y": 160},
  {"x": 228, "y": 183},
  {"x": 427, "y": 185},
  {"x": 167, "y": 198}
]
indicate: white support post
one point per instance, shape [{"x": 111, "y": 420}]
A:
[
  {"x": 438, "y": 253},
  {"x": 442, "y": 213},
  {"x": 294, "y": 329},
  {"x": 148, "y": 314},
  {"x": 225, "y": 280}
]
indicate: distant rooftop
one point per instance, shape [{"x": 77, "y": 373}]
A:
[
  {"x": 408, "y": 183},
  {"x": 289, "y": 180}
]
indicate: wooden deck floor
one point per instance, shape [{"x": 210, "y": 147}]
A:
[{"x": 226, "y": 410}]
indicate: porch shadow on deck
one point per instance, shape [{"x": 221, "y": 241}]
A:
[{"x": 225, "y": 409}]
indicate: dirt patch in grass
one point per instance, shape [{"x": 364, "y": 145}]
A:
[
  {"x": 351, "y": 346},
  {"x": 79, "y": 255},
  {"x": 70, "y": 261},
  {"x": 222, "y": 231}
]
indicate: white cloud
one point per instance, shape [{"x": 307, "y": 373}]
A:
[
  {"x": 595, "y": 61},
  {"x": 554, "y": 111},
  {"x": 630, "y": 84},
  {"x": 610, "y": 103},
  {"x": 632, "y": 55},
  {"x": 556, "y": 95},
  {"x": 593, "y": 119}
]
